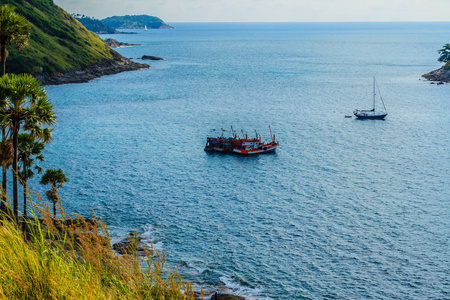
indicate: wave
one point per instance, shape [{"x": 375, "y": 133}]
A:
[{"x": 237, "y": 289}]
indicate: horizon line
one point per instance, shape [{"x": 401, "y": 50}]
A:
[{"x": 306, "y": 22}]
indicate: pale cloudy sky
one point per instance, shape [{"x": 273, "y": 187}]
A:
[{"x": 267, "y": 10}]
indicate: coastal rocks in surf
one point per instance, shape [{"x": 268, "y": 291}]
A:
[
  {"x": 116, "y": 65},
  {"x": 441, "y": 75},
  {"x": 150, "y": 57},
  {"x": 217, "y": 296},
  {"x": 116, "y": 44},
  {"x": 131, "y": 244}
]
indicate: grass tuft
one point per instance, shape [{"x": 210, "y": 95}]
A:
[{"x": 71, "y": 258}]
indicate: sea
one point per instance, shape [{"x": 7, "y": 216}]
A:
[{"x": 345, "y": 208}]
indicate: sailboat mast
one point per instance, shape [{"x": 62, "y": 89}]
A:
[{"x": 373, "y": 93}]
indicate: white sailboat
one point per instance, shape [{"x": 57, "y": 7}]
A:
[
  {"x": 145, "y": 27},
  {"x": 374, "y": 113}
]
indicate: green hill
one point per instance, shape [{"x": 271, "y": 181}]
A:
[
  {"x": 94, "y": 25},
  {"x": 59, "y": 43},
  {"x": 135, "y": 22}
]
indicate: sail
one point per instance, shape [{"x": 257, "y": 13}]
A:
[{"x": 373, "y": 113}]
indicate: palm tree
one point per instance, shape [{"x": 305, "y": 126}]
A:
[
  {"x": 57, "y": 178},
  {"x": 444, "y": 53},
  {"x": 24, "y": 103},
  {"x": 14, "y": 29},
  {"x": 29, "y": 151}
]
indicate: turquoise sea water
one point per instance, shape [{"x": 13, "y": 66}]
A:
[{"x": 345, "y": 209}]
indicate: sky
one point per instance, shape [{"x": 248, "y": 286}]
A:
[{"x": 267, "y": 10}]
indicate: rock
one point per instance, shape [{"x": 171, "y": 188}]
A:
[
  {"x": 217, "y": 296},
  {"x": 106, "y": 67},
  {"x": 116, "y": 44},
  {"x": 149, "y": 57},
  {"x": 442, "y": 75},
  {"x": 126, "y": 245}
]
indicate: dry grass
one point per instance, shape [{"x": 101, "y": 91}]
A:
[{"x": 73, "y": 259}]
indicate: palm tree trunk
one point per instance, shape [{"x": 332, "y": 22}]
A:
[
  {"x": 15, "y": 179},
  {"x": 3, "y": 72},
  {"x": 54, "y": 209},
  {"x": 3, "y": 204},
  {"x": 3, "y": 59},
  {"x": 25, "y": 189}
]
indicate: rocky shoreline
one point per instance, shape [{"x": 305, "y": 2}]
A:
[
  {"x": 116, "y": 44},
  {"x": 441, "y": 75},
  {"x": 116, "y": 65},
  {"x": 137, "y": 242}
]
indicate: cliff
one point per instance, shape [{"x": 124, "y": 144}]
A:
[
  {"x": 60, "y": 47},
  {"x": 442, "y": 74}
]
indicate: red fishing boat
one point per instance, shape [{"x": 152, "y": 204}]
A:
[
  {"x": 255, "y": 146},
  {"x": 243, "y": 146},
  {"x": 221, "y": 143}
]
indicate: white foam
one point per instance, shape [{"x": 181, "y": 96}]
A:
[
  {"x": 239, "y": 290},
  {"x": 148, "y": 231},
  {"x": 149, "y": 239}
]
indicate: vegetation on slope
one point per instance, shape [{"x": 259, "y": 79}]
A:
[
  {"x": 58, "y": 42},
  {"x": 94, "y": 24},
  {"x": 73, "y": 259},
  {"x": 139, "y": 21},
  {"x": 444, "y": 56}
]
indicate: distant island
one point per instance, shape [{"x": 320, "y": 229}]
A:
[
  {"x": 94, "y": 25},
  {"x": 61, "y": 50},
  {"x": 135, "y": 22},
  {"x": 109, "y": 25}
]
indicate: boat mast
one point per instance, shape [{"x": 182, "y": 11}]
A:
[
  {"x": 373, "y": 93},
  {"x": 381, "y": 99}
]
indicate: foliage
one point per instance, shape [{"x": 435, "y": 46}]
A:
[
  {"x": 55, "y": 177},
  {"x": 444, "y": 53},
  {"x": 14, "y": 29},
  {"x": 58, "y": 42},
  {"x": 25, "y": 105},
  {"x": 134, "y": 22},
  {"x": 30, "y": 150},
  {"x": 72, "y": 259},
  {"x": 94, "y": 25}
]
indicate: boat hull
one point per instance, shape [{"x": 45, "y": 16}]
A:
[
  {"x": 264, "y": 150},
  {"x": 371, "y": 117}
]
